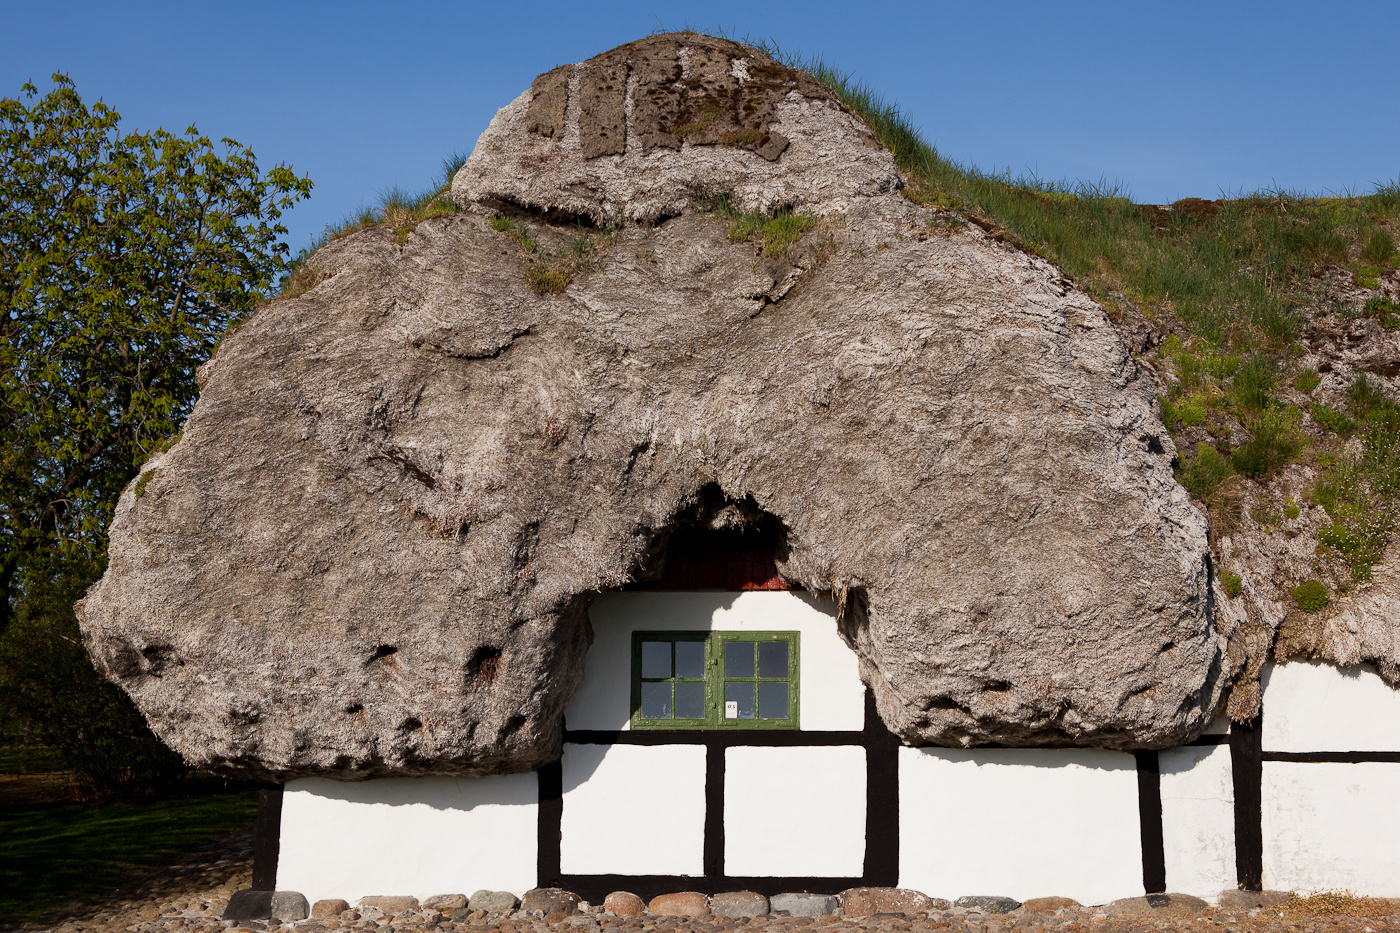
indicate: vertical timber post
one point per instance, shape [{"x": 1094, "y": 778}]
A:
[
  {"x": 267, "y": 837},
  {"x": 881, "y": 799},
  {"x": 1154, "y": 855},
  {"x": 549, "y": 824},
  {"x": 713, "y": 852},
  {"x": 1247, "y": 770}
]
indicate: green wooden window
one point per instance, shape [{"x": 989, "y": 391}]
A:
[{"x": 714, "y": 680}]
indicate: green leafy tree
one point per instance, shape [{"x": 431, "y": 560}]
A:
[{"x": 124, "y": 258}]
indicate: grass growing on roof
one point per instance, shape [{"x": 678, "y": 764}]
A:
[
  {"x": 1273, "y": 442},
  {"x": 397, "y": 209},
  {"x": 1231, "y": 584},
  {"x": 1210, "y": 477},
  {"x": 503, "y": 224},
  {"x": 545, "y": 279},
  {"x": 1229, "y": 269},
  {"x": 1360, "y": 488},
  {"x": 777, "y": 230},
  {"x": 1379, "y": 249},
  {"x": 1310, "y": 596},
  {"x": 1234, "y": 275},
  {"x": 1384, "y": 310},
  {"x": 1306, "y": 381},
  {"x": 549, "y": 271}
]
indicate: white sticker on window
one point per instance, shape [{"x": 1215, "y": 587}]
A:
[{"x": 731, "y": 709}]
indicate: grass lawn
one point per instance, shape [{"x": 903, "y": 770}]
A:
[
  {"x": 32, "y": 759},
  {"x": 51, "y": 854}
]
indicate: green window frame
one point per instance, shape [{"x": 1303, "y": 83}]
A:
[{"x": 715, "y": 680}]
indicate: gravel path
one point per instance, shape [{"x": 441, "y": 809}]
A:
[{"x": 190, "y": 897}]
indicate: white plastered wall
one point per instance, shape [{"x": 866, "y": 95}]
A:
[
  {"x": 633, "y": 810},
  {"x": 1198, "y": 819},
  {"x": 1019, "y": 822},
  {"x": 1311, "y": 706},
  {"x": 1330, "y": 826},
  {"x": 832, "y": 696},
  {"x": 413, "y": 836},
  {"x": 794, "y": 811}
]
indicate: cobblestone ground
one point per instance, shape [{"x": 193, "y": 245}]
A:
[{"x": 191, "y": 896}]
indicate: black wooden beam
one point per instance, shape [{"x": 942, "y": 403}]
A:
[
  {"x": 1154, "y": 855},
  {"x": 267, "y": 837},
  {"x": 549, "y": 819},
  {"x": 1247, "y": 769},
  {"x": 881, "y": 800},
  {"x": 1346, "y": 758},
  {"x": 713, "y": 859},
  {"x": 714, "y": 738}
]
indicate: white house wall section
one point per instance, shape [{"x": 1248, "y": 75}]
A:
[
  {"x": 1220, "y": 725},
  {"x": 415, "y": 836},
  {"x": 1198, "y": 819},
  {"x": 1019, "y": 822},
  {"x": 1330, "y": 824},
  {"x": 633, "y": 810},
  {"x": 794, "y": 811},
  {"x": 1314, "y": 789},
  {"x": 1332, "y": 827},
  {"x": 832, "y": 696},
  {"x": 1311, "y": 706}
]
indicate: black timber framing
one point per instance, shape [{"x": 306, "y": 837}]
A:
[
  {"x": 881, "y": 868},
  {"x": 1150, "y": 827},
  {"x": 1335, "y": 758},
  {"x": 1247, "y": 757},
  {"x": 881, "y": 800},
  {"x": 713, "y": 855},
  {"x": 1154, "y": 855},
  {"x": 1247, "y": 773},
  {"x": 882, "y": 810},
  {"x": 1222, "y": 738},
  {"x": 267, "y": 837}
]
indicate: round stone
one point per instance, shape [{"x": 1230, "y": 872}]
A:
[{"x": 624, "y": 904}]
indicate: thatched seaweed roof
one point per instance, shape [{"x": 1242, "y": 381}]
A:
[{"x": 442, "y": 452}]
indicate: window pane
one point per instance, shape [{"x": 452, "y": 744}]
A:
[
  {"x": 772, "y": 701},
  {"x": 738, "y": 699},
  {"x": 690, "y": 661},
  {"x": 773, "y": 661},
  {"x": 656, "y": 659},
  {"x": 738, "y": 659},
  {"x": 656, "y": 701},
  {"x": 690, "y": 701}
]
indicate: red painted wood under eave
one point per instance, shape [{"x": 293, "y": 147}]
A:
[{"x": 721, "y": 570}]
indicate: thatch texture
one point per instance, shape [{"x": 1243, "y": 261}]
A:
[{"x": 373, "y": 550}]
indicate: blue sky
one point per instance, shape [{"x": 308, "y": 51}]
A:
[{"x": 1171, "y": 99}]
